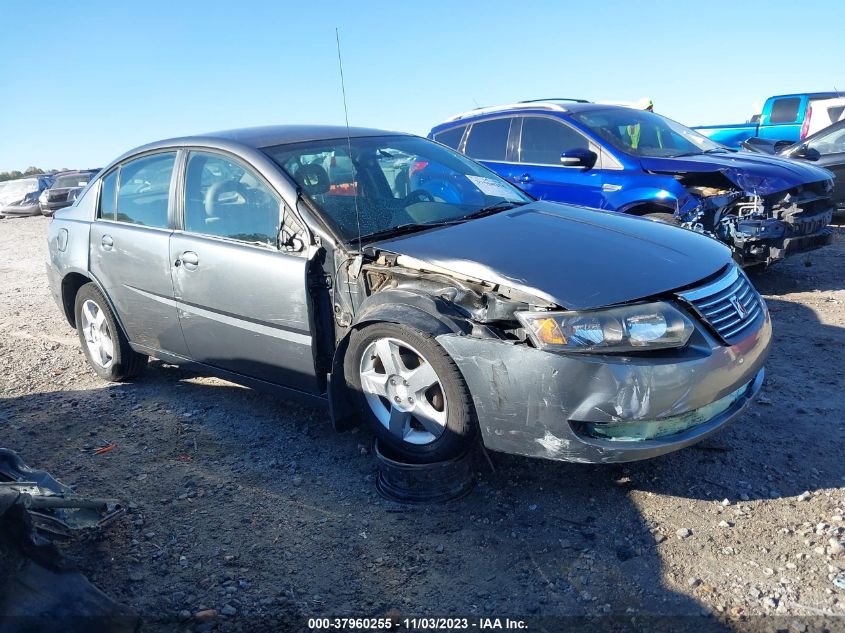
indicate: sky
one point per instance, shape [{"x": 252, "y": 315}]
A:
[{"x": 82, "y": 82}]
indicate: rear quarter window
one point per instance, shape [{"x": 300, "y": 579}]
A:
[
  {"x": 108, "y": 193},
  {"x": 785, "y": 110}
]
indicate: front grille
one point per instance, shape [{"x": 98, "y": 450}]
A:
[
  {"x": 57, "y": 196},
  {"x": 729, "y": 305}
]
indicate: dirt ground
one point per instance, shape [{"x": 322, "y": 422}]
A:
[{"x": 253, "y": 506}]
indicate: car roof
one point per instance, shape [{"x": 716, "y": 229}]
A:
[
  {"x": 812, "y": 95},
  {"x": 546, "y": 105},
  {"x": 269, "y": 135},
  {"x": 255, "y": 138}
]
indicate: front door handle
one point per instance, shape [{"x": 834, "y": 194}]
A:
[
  {"x": 190, "y": 260},
  {"x": 525, "y": 178},
  {"x": 107, "y": 242}
]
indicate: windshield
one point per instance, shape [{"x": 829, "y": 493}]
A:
[
  {"x": 392, "y": 181},
  {"x": 77, "y": 180},
  {"x": 644, "y": 133}
]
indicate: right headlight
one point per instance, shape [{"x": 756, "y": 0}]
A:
[{"x": 636, "y": 327}]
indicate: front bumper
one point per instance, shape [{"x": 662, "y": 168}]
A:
[
  {"x": 535, "y": 403},
  {"x": 769, "y": 241},
  {"x": 48, "y": 208}
]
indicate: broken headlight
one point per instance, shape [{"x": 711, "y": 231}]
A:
[
  {"x": 638, "y": 327},
  {"x": 760, "y": 185}
]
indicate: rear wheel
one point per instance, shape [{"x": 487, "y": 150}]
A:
[
  {"x": 410, "y": 392},
  {"x": 105, "y": 346}
]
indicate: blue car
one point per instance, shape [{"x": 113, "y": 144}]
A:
[{"x": 640, "y": 163}]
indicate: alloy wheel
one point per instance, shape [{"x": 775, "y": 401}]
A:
[
  {"x": 403, "y": 390},
  {"x": 98, "y": 338}
]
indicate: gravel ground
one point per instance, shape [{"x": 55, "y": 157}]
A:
[{"x": 250, "y": 505}]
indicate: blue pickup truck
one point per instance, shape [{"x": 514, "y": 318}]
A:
[{"x": 784, "y": 118}]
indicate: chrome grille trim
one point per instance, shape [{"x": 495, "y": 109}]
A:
[{"x": 716, "y": 304}]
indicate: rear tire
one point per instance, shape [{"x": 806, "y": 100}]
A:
[
  {"x": 409, "y": 392},
  {"x": 105, "y": 346}
]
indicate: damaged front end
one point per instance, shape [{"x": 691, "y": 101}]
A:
[
  {"x": 596, "y": 407},
  {"x": 760, "y": 219}
]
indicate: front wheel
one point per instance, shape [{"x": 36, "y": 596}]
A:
[
  {"x": 105, "y": 346},
  {"x": 410, "y": 392},
  {"x": 665, "y": 218}
]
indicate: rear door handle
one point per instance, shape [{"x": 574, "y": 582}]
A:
[
  {"x": 525, "y": 178},
  {"x": 107, "y": 242},
  {"x": 190, "y": 260}
]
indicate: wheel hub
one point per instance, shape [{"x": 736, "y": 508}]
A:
[{"x": 399, "y": 394}]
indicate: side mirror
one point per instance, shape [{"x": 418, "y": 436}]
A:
[
  {"x": 805, "y": 152},
  {"x": 578, "y": 157}
]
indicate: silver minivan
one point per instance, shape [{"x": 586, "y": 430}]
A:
[{"x": 410, "y": 288}]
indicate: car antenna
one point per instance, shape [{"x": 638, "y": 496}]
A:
[{"x": 348, "y": 138}]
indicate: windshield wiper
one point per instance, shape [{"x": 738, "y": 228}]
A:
[
  {"x": 413, "y": 227},
  {"x": 712, "y": 150},
  {"x": 490, "y": 209},
  {"x": 401, "y": 229}
]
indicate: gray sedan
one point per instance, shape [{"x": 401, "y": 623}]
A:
[{"x": 409, "y": 288}]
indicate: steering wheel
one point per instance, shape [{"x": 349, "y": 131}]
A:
[
  {"x": 417, "y": 195},
  {"x": 219, "y": 188}
]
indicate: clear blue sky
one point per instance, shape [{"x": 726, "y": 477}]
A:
[{"x": 83, "y": 81}]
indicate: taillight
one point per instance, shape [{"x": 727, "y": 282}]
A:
[{"x": 805, "y": 127}]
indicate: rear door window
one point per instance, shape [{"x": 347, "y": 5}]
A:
[
  {"x": 451, "y": 138},
  {"x": 785, "y": 110},
  {"x": 488, "y": 140},
  {"x": 142, "y": 188},
  {"x": 544, "y": 140}
]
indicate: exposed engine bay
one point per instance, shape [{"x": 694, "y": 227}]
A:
[
  {"x": 761, "y": 227},
  {"x": 488, "y": 309}
]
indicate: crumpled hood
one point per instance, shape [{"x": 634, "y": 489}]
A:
[
  {"x": 574, "y": 257},
  {"x": 755, "y": 173}
]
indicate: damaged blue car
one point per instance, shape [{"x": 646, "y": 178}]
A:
[{"x": 640, "y": 163}]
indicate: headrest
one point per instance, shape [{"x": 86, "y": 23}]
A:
[{"x": 313, "y": 179}]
